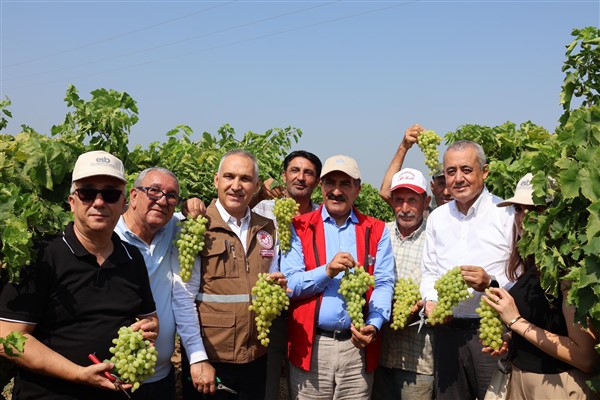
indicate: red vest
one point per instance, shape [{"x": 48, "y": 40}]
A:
[{"x": 303, "y": 316}]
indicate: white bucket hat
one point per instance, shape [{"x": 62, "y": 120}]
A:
[{"x": 524, "y": 193}]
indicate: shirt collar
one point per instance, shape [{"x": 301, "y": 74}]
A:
[
  {"x": 118, "y": 256},
  {"x": 228, "y": 218},
  {"x": 326, "y": 216},
  {"x": 124, "y": 228},
  {"x": 475, "y": 207},
  {"x": 413, "y": 235}
]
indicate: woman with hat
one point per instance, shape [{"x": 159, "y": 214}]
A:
[{"x": 550, "y": 354}]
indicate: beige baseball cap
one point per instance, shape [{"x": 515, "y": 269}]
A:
[
  {"x": 524, "y": 193},
  {"x": 409, "y": 178},
  {"x": 96, "y": 163},
  {"x": 341, "y": 163}
]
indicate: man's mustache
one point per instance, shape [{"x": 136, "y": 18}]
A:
[
  {"x": 410, "y": 214},
  {"x": 333, "y": 197}
]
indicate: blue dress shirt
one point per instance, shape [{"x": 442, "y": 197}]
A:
[{"x": 332, "y": 313}]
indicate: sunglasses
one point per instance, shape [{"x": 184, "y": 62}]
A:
[{"x": 88, "y": 195}]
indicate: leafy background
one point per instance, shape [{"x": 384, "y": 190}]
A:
[{"x": 35, "y": 172}]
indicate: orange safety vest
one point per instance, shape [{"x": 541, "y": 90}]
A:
[{"x": 303, "y": 316}]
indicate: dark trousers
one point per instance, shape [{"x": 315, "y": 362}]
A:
[
  {"x": 462, "y": 371},
  {"x": 163, "y": 389},
  {"x": 247, "y": 379}
]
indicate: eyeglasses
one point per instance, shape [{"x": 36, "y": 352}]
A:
[
  {"x": 156, "y": 194},
  {"x": 88, "y": 195}
]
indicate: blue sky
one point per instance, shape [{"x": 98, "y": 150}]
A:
[{"x": 353, "y": 75}]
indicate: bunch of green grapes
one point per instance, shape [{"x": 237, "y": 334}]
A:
[
  {"x": 269, "y": 299},
  {"x": 352, "y": 286},
  {"x": 285, "y": 210},
  {"x": 490, "y": 328},
  {"x": 133, "y": 356},
  {"x": 406, "y": 295},
  {"x": 189, "y": 242},
  {"x": 428, "y": 142},
  {"x": 451, "y": 289}
]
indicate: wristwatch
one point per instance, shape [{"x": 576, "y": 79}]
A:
[{"x": 493, "y": 282}]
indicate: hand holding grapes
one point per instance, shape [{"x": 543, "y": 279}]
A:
[
  {"x": 149, "y": 327},
  {"x": 193, "y": 207},
  {"x": 475, "y": 277},
  {"x": 363, "y": 336},
  {"x": 280, "y": 279},
  {"x": 411, "y": 136},
  {"x": 504, "y": 304},
  {"x": 341, "y": 262},
  {"x": 94, "y": 375}
]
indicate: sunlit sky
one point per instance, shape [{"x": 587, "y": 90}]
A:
[{"x": 352, "y": 75}]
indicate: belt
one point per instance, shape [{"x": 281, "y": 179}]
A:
[
  {"x": 464, "y": 323},
  {"x": 337, "y": 335}
]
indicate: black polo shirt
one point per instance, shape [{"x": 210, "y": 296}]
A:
[{"x": 77, "y": 306}]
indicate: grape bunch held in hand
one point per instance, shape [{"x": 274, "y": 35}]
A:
[
  {"x": 133, "y": 356},
  {"x": 189, "y": 242},
  {"x": 406, "y": 295},
  {"x": 451, "y": 289},
  {"x": 268, "y": 302},
  {"x": 352, "y": 286},
  {"x": 285, "y": 210},
  {"x": 491, "y": 329},
  {"x": 428, "y": 142}
]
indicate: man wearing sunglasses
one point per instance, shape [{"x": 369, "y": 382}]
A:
[
  {"x": 84, "y": 285},
  {"x": 150, "y": 225}
]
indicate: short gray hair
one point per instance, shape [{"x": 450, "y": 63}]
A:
[
  {"x": 463, "y": 144},
  {"x": 241, "y": 152},
  {"x": 138, "y": 181}
]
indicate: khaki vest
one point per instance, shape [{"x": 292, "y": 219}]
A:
[{"x": 228, "y": 275}]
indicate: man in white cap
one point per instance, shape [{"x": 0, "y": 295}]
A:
[
  {"x": 441, "y": 194},
  {"x": 329, "y": 357},
  {"x": 406, "y": 366},
  {"x": 84, "y": 285}
]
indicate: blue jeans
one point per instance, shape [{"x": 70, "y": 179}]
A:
[{"x": 398, "y": 384}]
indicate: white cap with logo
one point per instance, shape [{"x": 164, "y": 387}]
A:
[
  {"x": 97, "y": 163},
  {"x": 343, "y": 164},
  {"x": 409, "y": 178}
]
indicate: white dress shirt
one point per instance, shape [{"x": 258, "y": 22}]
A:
[{"x": 482, "y": 237}]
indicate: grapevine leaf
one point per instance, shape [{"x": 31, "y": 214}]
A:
[
  {"x": 569, "y": 182},
  {"x": 593, "y": 225},
  {"x": 13, "y": 343}
]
